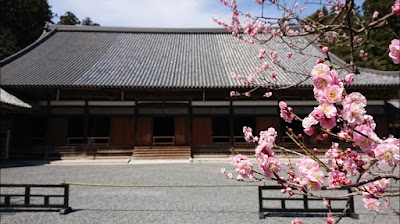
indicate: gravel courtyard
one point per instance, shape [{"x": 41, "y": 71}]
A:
[{"x": 153, "y": 204}]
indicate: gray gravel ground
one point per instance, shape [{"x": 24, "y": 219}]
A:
[{"x": 153, "y": 204}]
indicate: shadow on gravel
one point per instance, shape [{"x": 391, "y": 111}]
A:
[
  {"x": 22, "y": 163},
  {"x": 33, "y": 210},
  {"x": 162, "y": 210}
]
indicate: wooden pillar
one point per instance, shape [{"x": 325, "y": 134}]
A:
[
  {"x": 190, "y": 126},
  {"x": 85, "y": 126},
  {"x": 135, "y": 118},
  {"x": 231, "y": 128}
]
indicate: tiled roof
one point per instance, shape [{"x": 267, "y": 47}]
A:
[
  {"x": 73, "y": 56},
  {"x": 10, "y": 99}
]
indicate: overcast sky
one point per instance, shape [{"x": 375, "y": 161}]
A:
[{"x": 157, "y": 13}]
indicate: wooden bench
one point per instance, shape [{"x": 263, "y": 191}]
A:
[
  {"x": 28, "y": 199},
  {"x": 303, "y": 206}
]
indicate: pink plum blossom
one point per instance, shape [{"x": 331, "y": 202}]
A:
[
  {"x": 297, "y": 221},
  {"x": 335, "y": 78},
  {"x": 375, "y": 15},
  {"x": 330, "y": 219},
  {"x": 349, "y": 78},
  {"x": 369, "y": 121},
  {"x": 355, "y": 97},
  {"x": 248, "y": 134},
  {"x": 363, "y": 55},
  {"x": 319, "y": 70},
  {"x": 305, "y": 164},
  {"x": 316, "y": 178},
  {"x": 337, "y": 178},
  {"x": 270, "y": 165},
  {"x": 265, "y": 65},
  {"x": 396, "y": 8},
  {"x": 308, "y": 122},
  {"x": 365, "y": 144},
  {"x": 268, "y": 136},
  {"x": 260, "y": 1},
  {"x": 322, "y": 81},
  {"x": 286, "y": 112},
  {"x": 371, "y": 204},
  {"x": 329, "y": 110},
  {"x": 267, "y": 94},
  {"x": 264, "y": 148},
  {"x": 234, "y": 93},
  {"x": 309, "y": 131},
  {"x": 325, "y": 49},
  {"x": 333, "y": 94},
  {"x": 394, "y": 48},
  {"x": 387, "y": 152},
  {"x": 354, "y": 113},
  {"x": 243, "y": 166},
  {"x": 318, "y": 113},
  {"x": 274, "y": 74}
]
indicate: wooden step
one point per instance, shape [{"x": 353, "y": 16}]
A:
[{"x": 157, "y": 152}]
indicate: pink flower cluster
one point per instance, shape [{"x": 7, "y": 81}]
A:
[
  {"x": 387, "y": 152},
  {"x": 312, "y": 176},
  {"x": 248, "y": 134},
  {"x": 371, "y": 191},
  {"x": 268, "y": 164},
  {"x": 243, "y": 167},
  {"x": 327, "y": 85},
  {"x": 394, "y": 48},
  {"x": 266, "y": 142},
  {"x": 264, "y": 153},
  {"x": 396, "y": 8},
  {"x": 343, "y": 164},
  {"x": 286, "y": 112}
]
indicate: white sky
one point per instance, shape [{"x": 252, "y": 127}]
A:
[{"x": 156, "y": 13}]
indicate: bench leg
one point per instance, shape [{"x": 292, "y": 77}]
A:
[{"x": 65, "y": 211}]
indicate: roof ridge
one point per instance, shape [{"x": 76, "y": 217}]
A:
[{"x": 134, "y": 29}]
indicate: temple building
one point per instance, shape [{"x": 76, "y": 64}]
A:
[{"x": 162, "y": 93}]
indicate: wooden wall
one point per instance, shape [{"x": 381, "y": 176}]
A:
[
  {"x": 122, "y": 131},
  {"x": 144, "y": 131},
  {"x": 57, "y": 131},
  {"x": 181, "y": 131},
  {"x": 201, "y": 131}
]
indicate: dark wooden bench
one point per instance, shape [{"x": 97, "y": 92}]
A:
[
  {"x": 273, "y": 206},
  {"x": 29, "y": 199}
]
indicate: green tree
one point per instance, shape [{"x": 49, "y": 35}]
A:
[
  {"x": 88, "y": 22},
  {"x": 377, "y": 48},
  {"x": 21, "y": 23},
  {"x": 69, "y": 19},
  {"x": 377, "y": 39}
]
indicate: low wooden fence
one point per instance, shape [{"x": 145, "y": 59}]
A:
[
  {"x": 30, "y": 200},
  {"x": 301, "y": 207}
]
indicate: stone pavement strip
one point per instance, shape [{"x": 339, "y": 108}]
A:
[{"x": 195, "y": 204}]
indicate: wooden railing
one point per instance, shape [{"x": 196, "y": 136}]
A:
[
  {"x": 220, "y": 139},
  {"x": 90, "y": 140},
  {"x": 163, "y": 140}
]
